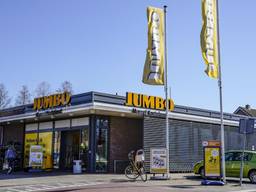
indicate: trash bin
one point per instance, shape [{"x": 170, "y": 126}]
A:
[{"x": 77, "y": 166}]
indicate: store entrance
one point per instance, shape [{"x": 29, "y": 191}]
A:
[{"x": 69, "y": 149}]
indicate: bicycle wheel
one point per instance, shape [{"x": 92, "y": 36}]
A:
[
  {"x": 130, "y": 173},
  {"x": 143, "y": 174}
]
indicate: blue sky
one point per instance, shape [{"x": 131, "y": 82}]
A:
[{"x": 100, "y": 45}]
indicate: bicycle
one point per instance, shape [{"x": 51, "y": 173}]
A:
[{"x": 136, "y": 166}]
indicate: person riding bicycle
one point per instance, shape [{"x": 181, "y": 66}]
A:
[{"x": 10, "y": 156}]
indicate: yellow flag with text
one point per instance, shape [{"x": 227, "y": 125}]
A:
[
  {"x": 209, "y": 41},
  {"x": 154, "y": 65}
]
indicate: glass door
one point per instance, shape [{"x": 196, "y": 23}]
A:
[
  {"x": 71, "y": 145},
  {"x": 69, "y": 150}
]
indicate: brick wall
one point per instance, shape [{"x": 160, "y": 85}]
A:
[
  {"x": 13, "y": 132},
  {"x": 125, "y": 135}
]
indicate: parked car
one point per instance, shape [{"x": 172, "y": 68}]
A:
[{"x": 233, "y": 160}]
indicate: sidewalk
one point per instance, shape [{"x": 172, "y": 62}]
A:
[
  {"x": 54, "y": 181},
  {"x": 24, "y": 178}
]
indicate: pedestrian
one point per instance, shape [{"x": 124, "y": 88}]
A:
[{"x": 10, "y": 156}]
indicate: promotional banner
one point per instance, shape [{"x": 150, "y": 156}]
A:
[
  {"x": 158, "y": 161},
  {"x": 212, "y": 161},
  {"x": 154, "y": 65},
  {"x": 209, "y": 41}
]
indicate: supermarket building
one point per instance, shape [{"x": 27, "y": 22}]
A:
[{"x": 100, "y": 129}]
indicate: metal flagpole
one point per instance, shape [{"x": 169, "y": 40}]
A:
[
  {"x": 166, "y": 98},
  {"x": 221, "y": 106}
]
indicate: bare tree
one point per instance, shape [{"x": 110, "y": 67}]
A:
[
  {"x": 5, "y": 100},
  {"x": 66, "y": 86},
  {"x": 24, "y": 97},
  {"x": 43, "y": 89}
]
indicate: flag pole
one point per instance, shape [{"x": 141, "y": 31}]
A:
[
  {"x": 166, "y": 98},
  {"x": 221, "y": 105}
]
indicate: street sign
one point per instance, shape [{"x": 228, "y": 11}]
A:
[
  {"x": 246, "y": 126},
  {"x": 250, "y": 126},
  {"x": 211, "y": 143}
]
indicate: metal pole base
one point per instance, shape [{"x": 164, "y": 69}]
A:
[{"x": 163, "y": 177}]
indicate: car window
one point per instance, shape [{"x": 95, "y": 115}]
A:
[
  {"x": 238, "y": 156},
  {"x": 229, "y": 156},
  {"x": 247, "y": 156}
]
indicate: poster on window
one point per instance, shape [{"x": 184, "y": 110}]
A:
[
  {"x": 36, "y": 156},
  {"x": 45, "y": 141},
  {"x": 212, "y": 162},
  {"x": 158, "y": 161}
]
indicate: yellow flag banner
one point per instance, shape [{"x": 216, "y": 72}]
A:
[
  {"x": 209, "y": 41},
  {"x": 154, "y": 65}
]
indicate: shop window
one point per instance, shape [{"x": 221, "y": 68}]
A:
[
  {"x": 102, "y": 127},
  {"x": 56, "y": 152},
  {"x": 84, "y": 147}
]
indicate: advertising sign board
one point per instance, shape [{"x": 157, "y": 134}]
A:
[
  {"x": 36, "y": 156},
  {"x": 158, "y": 161},
  {"x": 212, "y": 161}
]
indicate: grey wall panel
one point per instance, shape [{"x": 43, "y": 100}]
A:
[
  {"x": 154, "y": 136},
  {"x": 186, "y": 139}
]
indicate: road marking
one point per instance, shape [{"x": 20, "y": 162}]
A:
[
  {"x": 246, "y": 190},
  {"x": 46, "y": 187}
]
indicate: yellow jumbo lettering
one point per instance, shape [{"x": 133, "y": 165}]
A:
[
  {"x": 171, "y": 105},
  {"x": 148, "y": 102},
  {"x": 68, "y": 99},
  {"x": 50, "y": 101},
  {"x": 35, "y": 107},
  {"x": 129, "y": 99},
  {"x": 45, "y": 102},
  {"x": 54, "y": 101},
  {"x": 137, "y": 100},
  {"x": 159, "y": 103},
  {"x": 41, "y": 103},
  {"x": 58, "y": 99},
  {"x": 62, "y": 102}
]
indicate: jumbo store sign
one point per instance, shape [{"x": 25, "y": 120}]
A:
[
  {"x": 148, "y": 102},
  {"x": 52, "y": 101}
]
